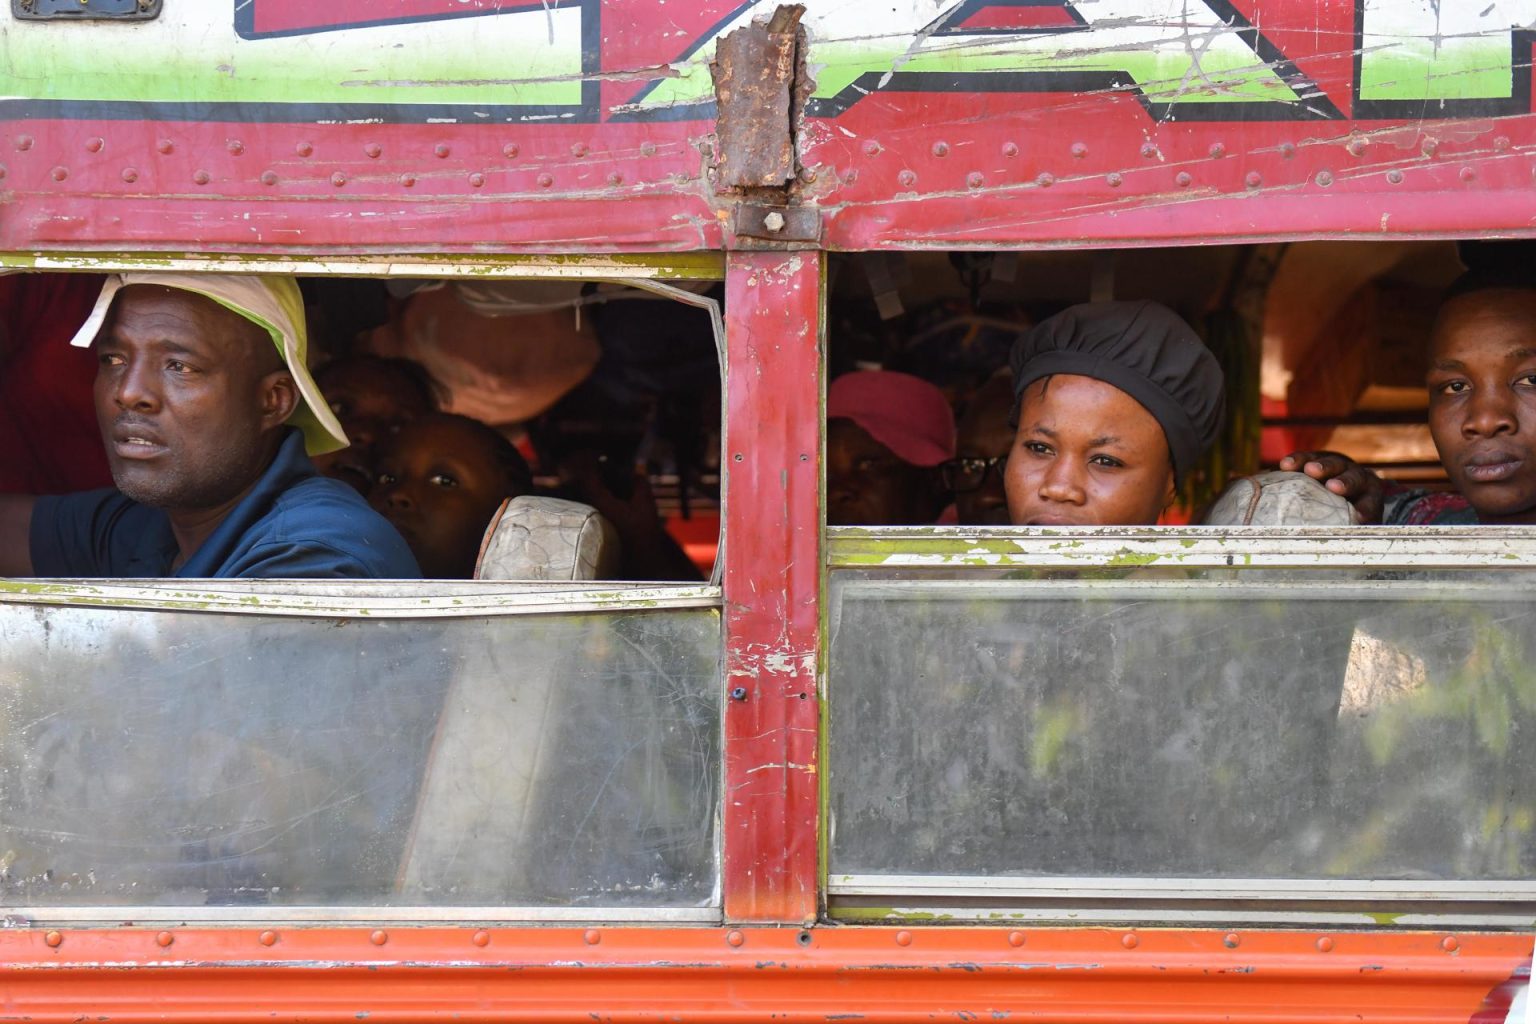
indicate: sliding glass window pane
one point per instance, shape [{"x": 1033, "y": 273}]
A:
[
  {"x": 235, "y": 759},
  {"x": 1195, "y": 723}
]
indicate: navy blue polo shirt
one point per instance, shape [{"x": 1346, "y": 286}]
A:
[{"x": 294, "y": 524}]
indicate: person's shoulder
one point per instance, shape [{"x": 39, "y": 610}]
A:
[
  {"x": 332, "y": 520},
  {"x": 1427, "y": 508}
]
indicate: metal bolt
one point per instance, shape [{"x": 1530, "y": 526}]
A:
[
  {"x": 1356, "y": 147},
  {"x": 738, "y": 693},
  {"x": 941, "y": 149},
  {"x": 379, "y": 937},
  {"x": 1079, "y": 150},
  {"x": 94, "y": 144},
  {"x": 481, "y": 938},
  {"x": 1449, "y": 944},
  {"x": 510, "y": 150},
  {"x": 269, "y": 177},
  {"x": 545, "y": 181},
  {"x": 774, "y": 221},
  {"x": 1287, "y": 150},
  {"x": 23, "y": 142},
  {"x": 53, "y": 939},
  {"x": 1324, "y": 944},
  {"x": 304, "y": 149},
  {"x": 130, "y": 175},
  {"x": 201, "y": 177},
  {"x": 1324, "y": 178},
  {"x": 1183, "y": 179},
  {"x": 1114, "y": 179},
  {"x": 592, "y": 936},
  {"x": 735, "y": 938},
  {"x": 164, "y": 939},
  {"x": 235, "y": 147},
  {"x": 1395, "y": 177},
  {"x": 373, "y": 150},
  {"x": 907, "y": 179},
  {"x": 1231, "y": 941},
  {"x": 1010, "y": 150},
  {"x": 1468, "y": 174},
  {"x": 408, "y": 180},
  {"x": 1015, "y": 939},
  {"x": 808, "y": 175},
  {"x": 1130, "y": 940},
  {"x": 579, "y": 149},
  {"x": 975, "y": 179},
  {"x": 871, "y": 148},
  {"x": 267, "y": 938},
  {"x": 165, "y": 146},
  {"x": 1429, "y": 147},
  {"x": 338, "y": 179},
  {"x": 476, "y": 180},
  {"x": 60, "y": 173},
  {"x": 1254, "y": 180},
  {"x": 903, "y": 938},
  {"x": 441, "y": 151},
  {"x": 1149, "y": 150},
  {"x": 1217, "y": 150},
  {"x": 1045, "y": 180}
]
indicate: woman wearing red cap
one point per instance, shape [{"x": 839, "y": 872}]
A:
[{"x": 886, "y": 434}]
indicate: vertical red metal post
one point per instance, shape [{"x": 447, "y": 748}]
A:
[{"x": 772, "y": 577}]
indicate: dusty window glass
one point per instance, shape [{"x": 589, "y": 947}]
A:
[
  {"x": 214, "y": 758},
  {"x": 1191, "y": 723}
]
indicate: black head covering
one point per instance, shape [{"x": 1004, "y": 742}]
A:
[{"x": 1145, "y": 350}]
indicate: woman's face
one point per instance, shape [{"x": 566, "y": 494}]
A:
[{"x": 1086, "y": 454}]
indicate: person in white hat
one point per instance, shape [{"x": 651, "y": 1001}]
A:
[{"x": 209, "y": 416}]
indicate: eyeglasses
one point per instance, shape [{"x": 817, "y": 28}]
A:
[{"x": 961, "y": 475}]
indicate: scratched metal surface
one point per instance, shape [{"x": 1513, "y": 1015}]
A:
[
  {"x": 589, "y": 125},
  {"x": 1184, "y": 723},
  {"x": 185, "y": 759}
]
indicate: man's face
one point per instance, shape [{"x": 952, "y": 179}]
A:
[
  {"x": 1087, "y": 454},
  {"x": 440, "y": 481},
  {"x": 1482, "y": 400},
  {"x": 868, "y": 485},
  {"x": 984, "y": 434},
  {"x": 188, "y": 397},
  {"x": 372, "y": 400}
]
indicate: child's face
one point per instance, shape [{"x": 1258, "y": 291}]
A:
[
  {"x": 1482, "y": 401},
  {"x": 439, "y": 483},
  {"x": 372, "y": 401}
]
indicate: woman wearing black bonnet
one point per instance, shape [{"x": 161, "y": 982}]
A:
[{"x": 1115, "y": 402}]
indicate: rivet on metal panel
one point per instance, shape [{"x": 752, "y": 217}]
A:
[
  {"x": 1287, "y": 150},
  {"x": 738, "y": 693},
  {"x": 1468, "y": 174},
  {"x": 130, "y": 175},
  {"x": 379, "y": 937},
  {"x": 545, "y": 181},
  {"x": 164, "y": 939},
  {"x": 1231, "y": 940},
  {"x": 1395, "y": 177},
  {"x": 269, "y": 177},
  {"x": 615, "y": 179},
  {"x": 54, "y": 939},
  {"x": 408, "y": 180},
  {"x": 734, "y": 937},
  {"x": 1429, "y": 147},
  {"x": 338, "y": 179},
  {"x": 267, "y": 938},
  {"x": 907, "y": 179},
  {"x": 975, "y": 179},
  {"x": 59, "y": 173},
  {"x": 1324, "y": 178},
  {"x": 165, "y": 147},
  {"x": 1149, "y": 150},
  {"x": 941, "y": 149},
  {"x": 1217, "y": 150},
  {"x": 1079, "y": 150},
  {"x": 1449, "y": 944},
  {"x": 1130, "y": 940},
  {"x": 1253, "y": 179},
  {"x": 235, "y": 147},
  {"x": 481, "y": 938},
  {"x": 1501, "y": 142},
  {"x": 1183, "y": 179},
  {"x": 1356, "y": 147},
  {"x": 476, "y": 180},
  {"x": 441, "y": 151},
  {"x": 1325, "y": 945},
  {"x": 94, "y": 144},
  {"x": 871, "y": 148},
  {"x": 304, "y": 148},
  {"x": 808, "y": 175},
  {"x": 579, "y": 149},
  {"x": 1114, "y": 179},
  {"x": 23, "y": 142},
  {"x": 1010, "y": 149},
  {"x": 591, "y": 936},
  {"x": 510, "y": 150},
  {"x": 201, "y": 177},
  {"x": 1045, "y": 179},
  {"x": 373, "y": 150},
  {"x": 1015, "y": 939},
  {"x": 647, "y": 149},
  {"x": 903, "y": 938}
]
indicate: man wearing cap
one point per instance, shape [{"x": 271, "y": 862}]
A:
[
  {"x": 886, "y": 433},
  {"x": 208, "y": 415}
]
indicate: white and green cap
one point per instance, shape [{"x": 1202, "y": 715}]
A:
[{"x": 269, "y": 300}]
